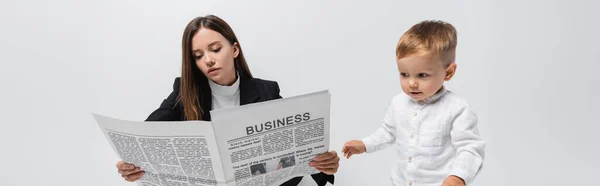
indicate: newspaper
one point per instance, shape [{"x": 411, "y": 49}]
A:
[{"x": 264, "y": 143}]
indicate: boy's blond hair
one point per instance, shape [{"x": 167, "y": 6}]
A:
[{"x": 429, "y": 37}]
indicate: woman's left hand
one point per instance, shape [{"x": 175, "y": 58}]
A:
[{"x": 327, "y": 163}]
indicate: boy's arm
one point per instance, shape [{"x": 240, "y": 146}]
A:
[
  {"x": 385, "y": 135},
  {"x": 469, "y": 145}
]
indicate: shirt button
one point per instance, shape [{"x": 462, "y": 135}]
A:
[
  {"x": 409, "y": 183},
  {"x": 415, "y": 114},
  {"x": 409, "y": 159},
  {"x": 412, "y": 136}
]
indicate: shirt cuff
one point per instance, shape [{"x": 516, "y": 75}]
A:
[
  {"x": 465, "y": 175},
  {"x": 369, "y": 145}
]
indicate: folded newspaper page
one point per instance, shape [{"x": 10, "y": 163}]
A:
[
  {"x": 170, "y": 153},
  {"x": 263, "y": 143}
]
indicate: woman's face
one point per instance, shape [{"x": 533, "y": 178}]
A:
[{"x": 214, "y": 56}]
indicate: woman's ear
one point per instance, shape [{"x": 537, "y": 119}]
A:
[
  {"x": 450, "y": 71},
  {"x": 236, "y": 50}
]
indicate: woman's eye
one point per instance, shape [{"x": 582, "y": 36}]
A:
[{"x": 217, "y": 50}]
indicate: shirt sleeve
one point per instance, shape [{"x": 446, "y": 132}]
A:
[
  {"x": 468, "y": 144},
  {"x": 385, "y": 135}
]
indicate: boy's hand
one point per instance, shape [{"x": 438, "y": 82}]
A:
[
  {"x": 453, "y": 181},
  {"x": 353, "y": 147}
]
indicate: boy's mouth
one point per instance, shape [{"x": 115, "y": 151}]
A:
[{"x": 416, "y": 93}]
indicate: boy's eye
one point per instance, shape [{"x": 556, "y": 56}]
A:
[
  {"x": 423, "y": 75},
  {"x": 403, "y": 74}
]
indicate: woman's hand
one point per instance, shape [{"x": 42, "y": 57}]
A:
[
  {"x": 327, "y": 163},
  {"x": 129, "y": 172}
]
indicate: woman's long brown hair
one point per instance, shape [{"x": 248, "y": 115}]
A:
[{"x": 192, "y": 79}]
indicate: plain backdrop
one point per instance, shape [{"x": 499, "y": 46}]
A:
[{"x": 529, "y": 69}]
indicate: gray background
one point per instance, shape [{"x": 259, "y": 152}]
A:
[{"x": 527, "y": 67}]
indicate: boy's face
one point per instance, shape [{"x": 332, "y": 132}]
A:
[{"x": 422, "y": 76}]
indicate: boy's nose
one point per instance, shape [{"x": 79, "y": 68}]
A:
[{"x": 413, "y": 84}]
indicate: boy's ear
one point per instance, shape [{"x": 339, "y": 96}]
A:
[
  {"x": 236, "y": 50},
  {"x": 450, "y": 71}
]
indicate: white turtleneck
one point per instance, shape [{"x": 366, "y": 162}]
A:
[{"x": 225, "y": 96}]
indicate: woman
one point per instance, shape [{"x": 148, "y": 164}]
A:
[{"x": 215, "y": 75}]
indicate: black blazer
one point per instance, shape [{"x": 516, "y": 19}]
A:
[{"x": 252, "y": 90}]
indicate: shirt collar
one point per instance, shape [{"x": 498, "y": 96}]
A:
[{"x": 435, "y": 96}]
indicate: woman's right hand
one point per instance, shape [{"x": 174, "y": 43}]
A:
[{"x": 129, "y": 172}]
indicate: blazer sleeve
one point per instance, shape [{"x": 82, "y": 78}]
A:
[
  {"x": 320, "y": 178},
  {"x": 277, "y": 94},
  {"x": 169, "y": 109}
]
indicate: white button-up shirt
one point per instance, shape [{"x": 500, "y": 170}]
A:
[{"x": 434, "y": 138}]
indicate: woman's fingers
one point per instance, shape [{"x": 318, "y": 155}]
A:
[
  {"x": 129, "y": 172},
  {"x": 124, "y": 166},
  {"x": 333, "y": 160},
  {"x": 326, "y": 156},
  {"x": 133, "y": 177}
]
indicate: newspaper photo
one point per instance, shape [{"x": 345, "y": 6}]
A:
[{"x": 264, "y": 143}]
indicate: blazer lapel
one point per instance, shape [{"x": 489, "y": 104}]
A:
[{"x": 248, "y": 91}]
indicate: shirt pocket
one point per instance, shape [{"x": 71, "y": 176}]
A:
[{"x": 430, "y": 138}]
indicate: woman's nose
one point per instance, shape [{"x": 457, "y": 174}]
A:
[{"x": 209, "y": 60}]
